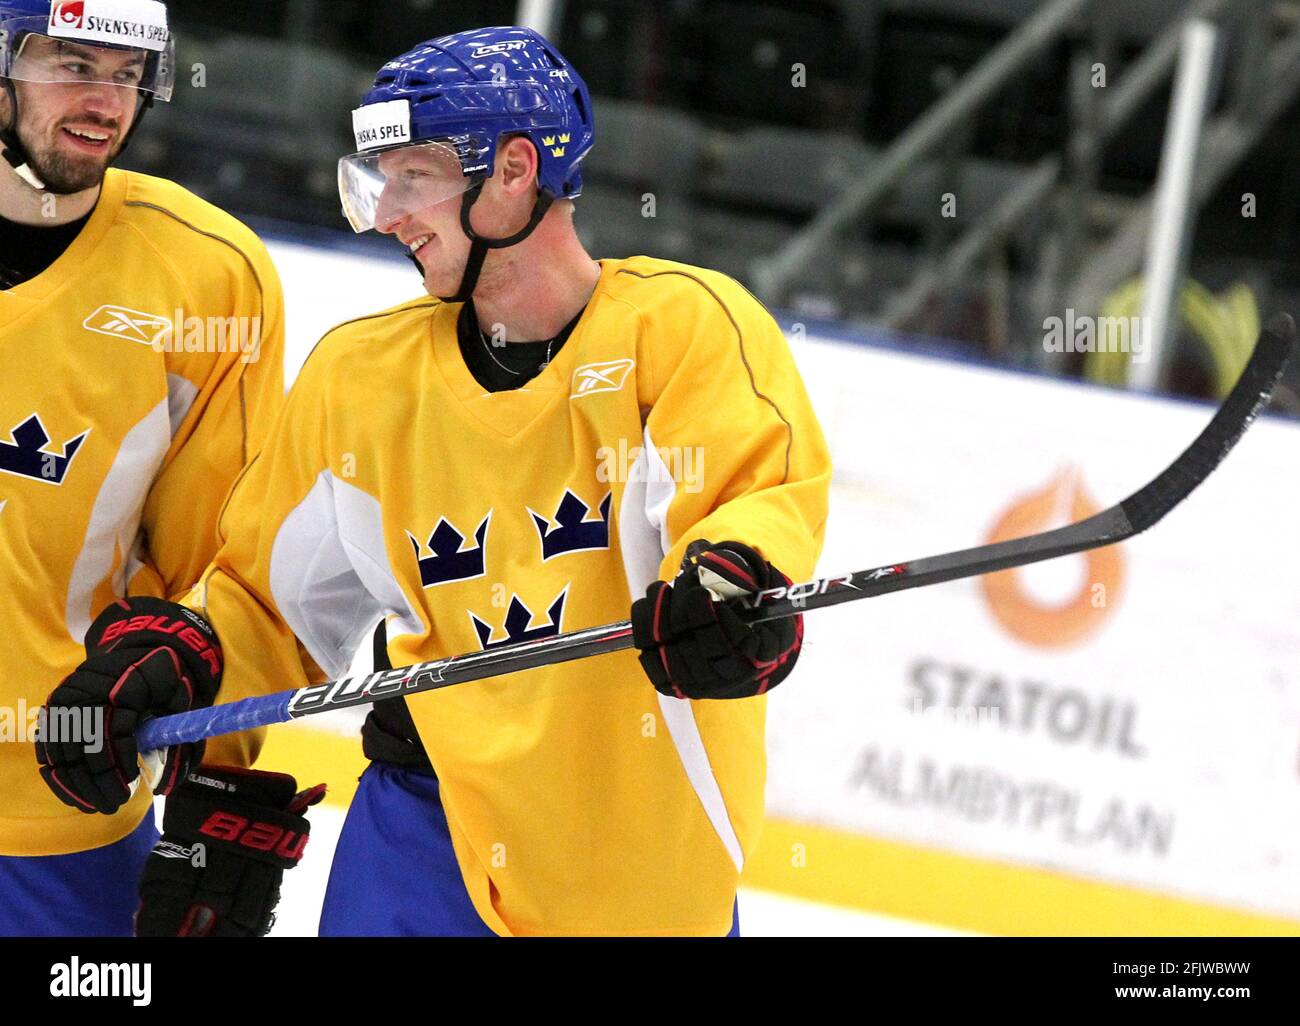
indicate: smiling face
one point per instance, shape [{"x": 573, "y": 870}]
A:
[
  {"x": 76, "y": 104},
  {"x": 420, "y": 204},
  {"x": 432, "y": 231}
]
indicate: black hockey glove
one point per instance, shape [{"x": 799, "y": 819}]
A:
[
  {"x": 228, "y": 836},
  {"x": 144, "y": 657},
  {"x": 695, "y": 646}
]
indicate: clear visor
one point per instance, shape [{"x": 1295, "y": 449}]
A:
[
  {"x": 381, "y": 187},
  {"x": 43, "y": 58}
]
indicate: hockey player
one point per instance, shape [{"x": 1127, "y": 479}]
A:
[
  {"x": 122, "y": 428},
  {"x": 550, "y": 440}
]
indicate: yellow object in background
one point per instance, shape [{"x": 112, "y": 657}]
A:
[{"x": 1228, "y": 325}]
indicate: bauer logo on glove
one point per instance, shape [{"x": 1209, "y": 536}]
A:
[
  {"x": 144, "y": 657},
  {"x": 228, "y": 836}
]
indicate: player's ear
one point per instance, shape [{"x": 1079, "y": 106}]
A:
[{"x": 517, "y": 164}]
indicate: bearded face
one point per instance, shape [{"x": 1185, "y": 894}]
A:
[{"x": 75, "y": 109}]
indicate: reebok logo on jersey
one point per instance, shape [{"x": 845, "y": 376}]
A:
[
  {"x": 133, "y": 325},
  {"x": 26, "y": 455},
  {"x": 600, "y": 377}
]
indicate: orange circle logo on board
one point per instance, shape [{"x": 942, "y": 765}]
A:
[{"x": 1026, "y": 618}]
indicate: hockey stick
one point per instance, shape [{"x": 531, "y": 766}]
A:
[{"x": 1135, "y": 514}]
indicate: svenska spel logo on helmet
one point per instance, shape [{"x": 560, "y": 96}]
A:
[
  {"x": 116, "y": 22},
  {"x": 382, "y": 124},
  {"x": 380, "y": 136}
]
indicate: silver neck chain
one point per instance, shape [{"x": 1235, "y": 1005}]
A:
[{"x": 487, "y": 345}]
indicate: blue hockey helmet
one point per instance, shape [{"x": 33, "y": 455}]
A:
[
  {"x": 452, "y": 100},
  {"x": 138, "y": 27}
]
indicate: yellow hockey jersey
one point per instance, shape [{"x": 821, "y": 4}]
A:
[
  {"x": 141, "y": 371},
  {"x": 579, "y": 800}
]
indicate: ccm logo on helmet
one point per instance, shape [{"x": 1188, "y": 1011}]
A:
[{"x": 488, "y": 51}]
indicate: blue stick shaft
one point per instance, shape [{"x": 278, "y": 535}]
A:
[{"x": 261, "y": 711}]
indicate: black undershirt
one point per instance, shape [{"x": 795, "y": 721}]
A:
[
  {"x": 27, "y": 250},
  {"x": 523, "y": 358}
]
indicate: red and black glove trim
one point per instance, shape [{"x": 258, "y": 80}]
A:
[
  {"x": 694, "y": 646},
  {"x": 733, "y": 567},
  {"x": 144, "y": 657},
  {"x": 229, "y": 834}
]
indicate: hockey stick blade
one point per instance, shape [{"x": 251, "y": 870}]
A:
[
  {"x": 1260, "y": 376},
  {"x": 1135, "y": 514}
]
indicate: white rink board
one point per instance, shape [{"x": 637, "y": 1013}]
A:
[
  {"x": 1190, "y": 678},
  {"x": 1160, "y": 750}
]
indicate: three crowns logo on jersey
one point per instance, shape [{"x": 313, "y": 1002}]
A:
[
  {"x": 518, "y": 619},
  {"x": 28, "y": 456},
  {"x": 572, "y": 529},
  {"x": 447, "y": 557}
]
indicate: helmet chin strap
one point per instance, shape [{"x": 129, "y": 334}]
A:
[
  {"x": 479, "y": 246},
  {"x": 15, "y": 153}
]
